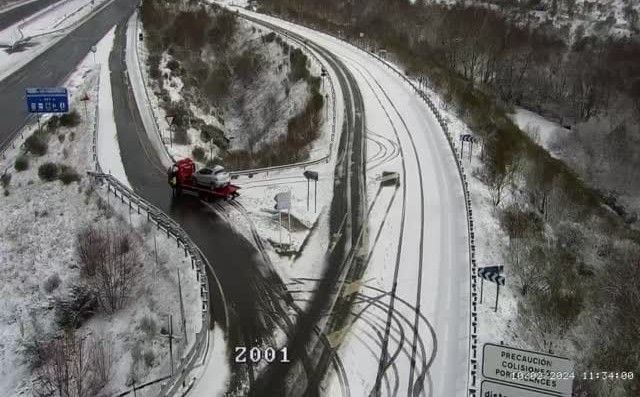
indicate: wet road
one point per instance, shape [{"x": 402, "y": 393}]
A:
[
  {"x": 14, "y": 15},
  {"x": 53, "y": 66},
  {"x": 254, "y": 293}
]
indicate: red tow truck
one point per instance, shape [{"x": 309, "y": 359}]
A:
[{"x": 207, "y": 183}]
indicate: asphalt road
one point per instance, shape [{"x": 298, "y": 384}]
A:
[
  {"x": 14, "y": 15},
  {"x": 53, "y": 66},
  {"x": 254, "y": 293}
]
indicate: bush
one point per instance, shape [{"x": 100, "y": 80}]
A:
[
  {"x": 148, "y": 358},
  {"x": 148, "y": 326},
  {"x": 247, "y": 65},
  {"x": 210, "y": 132},
  {"x": 77, "y": 308},
  {"x": 198, "y": 153},
  {"x": 48, "y": 172},
  {"x": 269, "y": 38},
  {"x": 173, "y": 65},
  {"x": 298, "y": 65},
  {"x": 67, "y": 174},
  {"x": 5, "y": 179},
  {"x": 153, "y": 61},
  {"x": 51, "y": 283},
  {"x": 217, "y": 85},
  {"x": 53, "y": 123},
  {"x": 36, "y": 144},
  {"x": 70, "y": 119},
  {"x": 180, "y": 136}
]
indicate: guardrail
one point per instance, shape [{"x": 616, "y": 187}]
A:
[
  {"x": 163, "y": 222},
  {"x": 472, "y": 366}
]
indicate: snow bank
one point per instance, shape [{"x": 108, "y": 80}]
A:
[{"x": 108, "y": 147}]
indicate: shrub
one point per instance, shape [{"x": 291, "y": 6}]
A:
[
  {"x": 198, "y": 153},
  {"x": 70, "y": 119},
  {"x": 48, "y": 172},
  {"x": 180, "y": 136},
  {"x": 298, "y": 65},
  {"x": 148, "y": 357},
  {"x": 247, "y": 65},
  {"x": 36, "y": 144},
  {"x": 148, "y": 326},
  {"x": 210, "y": 132},
  {"x": 51, "y": 283},
  {"x": 217, "y": 85},
  {"x": 78, "y": 307},
  {"x": 269, "y": 38},
  {"x": 109, "y": 263},
  {"x": 67, "y": 174},
  {"x": 5, "y": 179},
  {"x": 154, "y": 66},
  {"x": 173, "y": 65},
  {"x": 53, "y": 123}
]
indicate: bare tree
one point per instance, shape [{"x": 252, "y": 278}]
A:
[{"x": 110, "y": 261}]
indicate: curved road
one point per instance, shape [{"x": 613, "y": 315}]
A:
[{"x": 423, "y": 263}]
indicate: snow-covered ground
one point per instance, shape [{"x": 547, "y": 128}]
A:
[
  {"x": 24, "y": 40},
  {"x": 235, "y": 125},
  {"x": 542, "y": 131},
  {"x": 39, "y": 228},
  {"x": 107, "y": 146},
  {"x": 422, "y": 243}
]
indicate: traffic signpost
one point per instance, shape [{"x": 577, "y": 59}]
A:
[
  {"x": 491, "y": 273},
  {"x": 47, "y": 100},
  {"x": 525, "y": 373},
  {"x": 312, "y": 176},
  {"x": 283, "y": 202},
  {"x": 466, "y": 138}
]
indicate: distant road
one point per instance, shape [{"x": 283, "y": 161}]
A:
[
  {"x": 14, "y": 15},
  {"x": 53, "y": 66}
]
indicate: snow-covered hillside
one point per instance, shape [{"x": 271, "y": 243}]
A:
[
  {"x": 576, "y": 18},
  {"x": 44, "y": 217}
]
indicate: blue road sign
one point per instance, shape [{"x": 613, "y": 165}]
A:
[{"x": 47, "y": 100}]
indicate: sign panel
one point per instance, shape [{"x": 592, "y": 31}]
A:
[
  {"x": 283, "y": 201},
  {"x": 493, "y": 389},
  {"x": 528, "y": 369},
  {"x": 47, "y": 100}
]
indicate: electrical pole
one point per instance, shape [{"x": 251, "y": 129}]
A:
[{"x": 184, "y": 321}]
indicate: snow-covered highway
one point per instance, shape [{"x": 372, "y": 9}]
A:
[{"x": 414, "y": 299}]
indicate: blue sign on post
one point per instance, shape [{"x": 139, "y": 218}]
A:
[{"x": 47, "y": 100}]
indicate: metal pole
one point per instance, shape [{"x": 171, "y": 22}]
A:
[
  {"x": 155, "y": 246},
  {"x": 497, "y": 295},
  {"x": 470, "y": 150},
  {"x": 307, "y": 194},
  {"x": 184, "y": 321},
  {"x": 280, "y": 228},
  {"x": 39, "y": 128},
  {"x": 481, "y": 288},
  {"x": 289, "y": 220},
  {"x": 315, "y": 196},
  {"x": 171, "y": 342}
]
